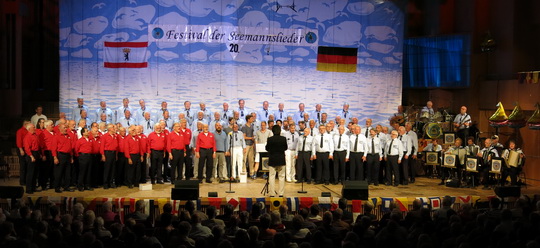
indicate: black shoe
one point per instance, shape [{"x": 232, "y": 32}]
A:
[
  {"x": 89, "y": 188},
  {"x": 81, "y": 189},
  {"x": 69, "y": 190},
  {"x": 208, "y": 180},
  {"x": 413, "y": 180},
  {"x": 376, "y": 184},
  {"x": 130, "y": 186},
  {"x": 137, "y": 185},
  {"x": 335, "y": 183},
  {"x": 317, "y": 182},
  {"x": 387, "y": 184},
  {"x": 326, "y": 183},
  {"x": 105, "y": 186},
  {"x": 405, "y": 184},
  {"x": 37, "y": 190},
  {"x": 29, "y": 192},
  {"x": 58, "y": 190},
  {"x": 113, "y": 186},
  {"x": 395, "y": 185},
  {"x": 441, "y": 183},
  {"x": 485, "y": 188},
  {"x": 160, "y": 182}
]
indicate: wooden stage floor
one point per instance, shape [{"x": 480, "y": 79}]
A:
[{"x": 424, "y": 187}]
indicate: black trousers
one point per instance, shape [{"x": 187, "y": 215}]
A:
[
  {"x": 133, "y": 170},
  {"x": 303, "y": 163},
  {"x": 405, "y": 169},
  {"x": 31, "y": 172},
  {"x": 96, "y": 171},
  {"x": 22, "y": 168},
  {"x": 156, "y": 165},
  {"x": 45, "y": 168},
  {"x": 339, "y": 165},
  {"x": 85, "y": 169},
  {"x": 144, "y": 164},
  {"x": 373, "y": 164},
  {"x": 62, "y": 171},
  {"x": 166, "y": 168},
  {"x": 512, "y": 172},
  {"x": 177, "y": 165},
  {"x": 463, "y": 134},
  {"x": 206, "y": 158},
  {"x": 120, "y": 169},
  {"x": 412, "y": 168},
  {"x": 357, "y": 166},
  {"x": 109, "y": 169},
  {"x": 188, "y": 161},
  {"x": 392, "y": 167},
  {"x": 323, "y": 167},
  {"x": 484, "y": 172}
]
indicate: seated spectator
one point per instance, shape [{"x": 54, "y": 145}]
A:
[
  {"x": 338, "y": 223},
  {"x": 304, "y": 212},
  {"x": 212, "y": 221},
  {"x": 100, "y": 231},
  {"x": 253, "y": 233},
  {"x": 445, "y": 211},
  {"x": 232, "y": 226},
  {"x": 284, "y": 213},
  {"x": 108, "y": 215},
  {"x": 88, "y": 221},
  {"x": 241, "y": 239},
  {"x": 314, "y": 212},
  {"x": 298, "y": 231},
  {"x": 227, "y": 213},
  {"x": 266, "y": 233},
  {"x": 255, "y": 211},
  {"x": 197, "y": 229},
  {"x": 181, "y": 238},
  {"x": 184, "y": 216},
  {"x": 329, "y": 230},
  {"x": 244, "y": 221},
  {"x": 139, "y": 214},
  {"x": 347, "y": 215},
  {"x": 275, "y": 221}
]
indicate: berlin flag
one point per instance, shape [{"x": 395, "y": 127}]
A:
[{"x": 125, "y": 54}]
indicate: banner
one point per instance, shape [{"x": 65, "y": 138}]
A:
[{"x": 233, "y": 34}]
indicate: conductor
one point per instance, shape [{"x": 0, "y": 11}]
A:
[{"x": 276, "y": 147}]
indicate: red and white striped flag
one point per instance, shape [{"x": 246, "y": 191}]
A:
[{"x": 125, "y": 54}]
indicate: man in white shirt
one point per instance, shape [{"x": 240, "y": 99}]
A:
[
  {"x": 393, "y": 155},
  {"x": 39, "y": 115},
  {"x": 290, "y": 154},
  {"x": 341, "y": 155},
  {"x": 357, "y": 152},
  {"x": 462, "y": 122},
  {"x": 322, "y": 152},
  {"x": 407, "y": 148},
  {"x": 414, "y": 146}
]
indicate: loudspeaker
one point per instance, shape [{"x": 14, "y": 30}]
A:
[
  {"x": 508, "y": 191},
  {"x": 185, "y": 190},
  {"x": 212, "y": 194},
  {"x": 355, "y": 190},
  {"x": 454, "y": 183},
  {"x": 11, "y": 192},
  {"x": 326, "y": 194}
]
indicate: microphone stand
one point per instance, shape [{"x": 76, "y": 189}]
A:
[{"x": 230, "y": 191}]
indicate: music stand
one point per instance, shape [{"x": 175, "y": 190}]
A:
[{"x": 263, "y": 157}]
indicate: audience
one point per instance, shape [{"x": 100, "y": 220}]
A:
[{"x": 509, "y": 225}]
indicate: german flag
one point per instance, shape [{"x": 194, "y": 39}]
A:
[{"x": 338, "y": 59}]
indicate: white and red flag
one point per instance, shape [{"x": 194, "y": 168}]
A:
[{"x": 125, "y": 54}]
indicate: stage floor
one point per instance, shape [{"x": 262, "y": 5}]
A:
[{"x": 424, "y": 187}]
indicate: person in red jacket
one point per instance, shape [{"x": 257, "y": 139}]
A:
[
  {"x": 96, "y": 178},
  {"x": 176, "y": 147},
  {"x": 121, "y": 158},
  {"x": 133, "y": 153},
  {"x": 21, "y": 133},
  {"x": 206, "y": 152},
  {"x": 62, "y": 152},
  {"x": 156, "y": 153},
  {"x": 47, "y": 138},
  {"x": 83, "y": 150},
  {"x": 108, "y": 150},
  {"x": 188, "y": 161},
  {"x": 143, "y": 139},
  {"x": 33, "y": 154}
]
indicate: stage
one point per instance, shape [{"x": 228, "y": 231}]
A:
[{"x": 424, "y": 187}]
